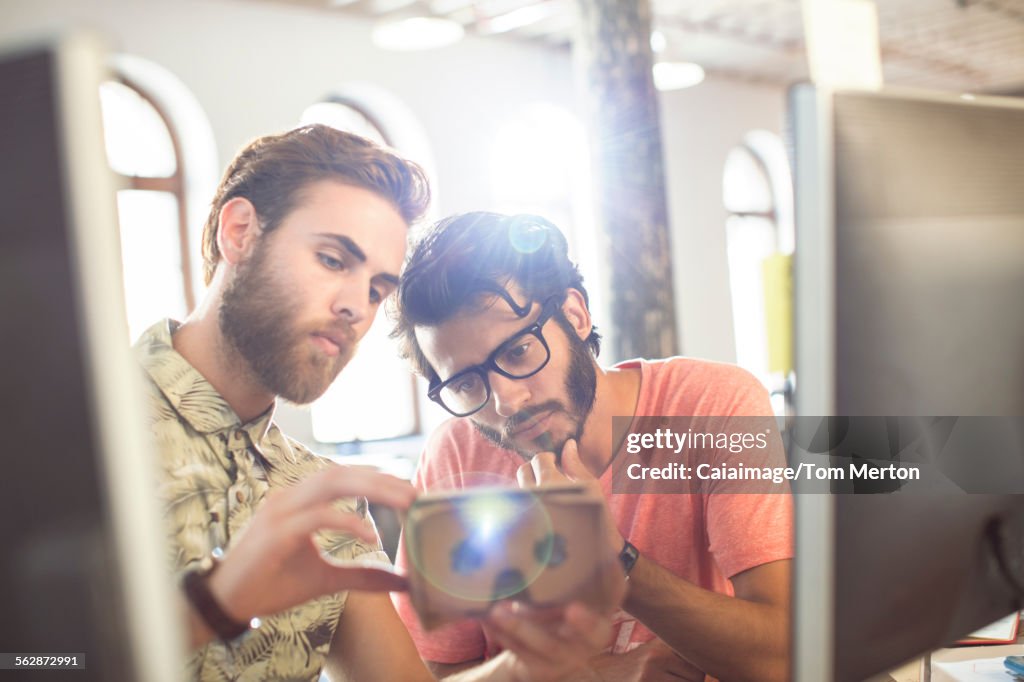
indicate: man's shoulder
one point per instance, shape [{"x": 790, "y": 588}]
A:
[
  {"x": 455, "y": 438},
  {"x": 706, "y": 371},
  {"x": 300, "y": 449},
  {"x": 457, "y": 455},
  {"x": 692, "y": 386},
  {"x": 457, "y": 428},
  {"x": 303, "y": 460}
]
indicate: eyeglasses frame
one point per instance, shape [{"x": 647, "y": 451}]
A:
[{"x": 548, "y": 310}]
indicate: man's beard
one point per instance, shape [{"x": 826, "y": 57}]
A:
[
  {"x": 257, "y": 318},
  {"x": 581, "y": 385}
]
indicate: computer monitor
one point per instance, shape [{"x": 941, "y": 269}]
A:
[
  {"x": 83, "y": 568},
  {"x": 909, "y": 303}
]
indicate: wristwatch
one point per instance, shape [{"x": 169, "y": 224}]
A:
[
  {"x": 196, "y": 584},
  {"x": 628, "y": 556}
]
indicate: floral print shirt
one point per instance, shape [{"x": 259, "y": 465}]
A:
[{"x": 215, "y": 471}]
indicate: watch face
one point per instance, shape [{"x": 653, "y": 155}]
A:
[{"x": 628, "y": 556}]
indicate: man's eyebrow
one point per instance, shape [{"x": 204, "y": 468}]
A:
[
  {"x": 354, "y": 249},
  {"x": 347, "y": 244}
]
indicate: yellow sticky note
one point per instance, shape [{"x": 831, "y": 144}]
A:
[{"x": 777, "y": 271}]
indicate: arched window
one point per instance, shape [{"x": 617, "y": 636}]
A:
[
  {"x": 757, "y": 193},
  {"x": 145, "y": 155},
  {"x": 345, "y": 114},
  {"x": 539, "y": 163},
  {"x": 376, "y": 397}
]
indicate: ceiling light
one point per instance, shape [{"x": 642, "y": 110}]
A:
[
  {"x": 417, "y": 33},
  {"x": 677, "y": 75}
]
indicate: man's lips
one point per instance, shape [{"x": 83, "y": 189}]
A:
[
  {"x": 534, "y": 427},
  {"x": 332, "y": 342}
]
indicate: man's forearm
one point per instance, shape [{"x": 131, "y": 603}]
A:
[{"x": 730, "y": 638}]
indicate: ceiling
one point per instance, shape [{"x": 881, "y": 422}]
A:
[{"x": 959, "y": 45}]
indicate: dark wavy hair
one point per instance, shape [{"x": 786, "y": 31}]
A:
[
  {"x": 462, "y": 260},
  {"x": 273, "y": 170}
]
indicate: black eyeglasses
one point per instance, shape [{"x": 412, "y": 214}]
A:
[{"x": 519, "y": 357}]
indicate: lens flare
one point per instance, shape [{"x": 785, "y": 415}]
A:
[
  {"x": 490, "y": 544},
  {"x": 526, "y": 236}
]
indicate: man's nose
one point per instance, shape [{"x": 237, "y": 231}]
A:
[
  {"x": 352, "y": 302},
  {"x": 510, "y": 395}
]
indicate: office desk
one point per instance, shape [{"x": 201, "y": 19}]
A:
[{"x": 920, "y": 670}]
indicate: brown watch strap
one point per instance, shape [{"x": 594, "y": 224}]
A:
[{"x": 197, "y": 589}]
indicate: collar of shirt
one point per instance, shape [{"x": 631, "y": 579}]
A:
[{"x": 196, "y": 401}]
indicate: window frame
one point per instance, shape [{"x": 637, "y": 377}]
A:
[{"x": 173, "y": 184}]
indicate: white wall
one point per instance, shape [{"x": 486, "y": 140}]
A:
[
  {"x": 254, "y": 66},
  {"x": 699, "y": 127}
]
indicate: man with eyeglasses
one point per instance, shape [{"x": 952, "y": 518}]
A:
[
  {"x": 494, "y": 314},
  {"x": 282, "y": 570}
]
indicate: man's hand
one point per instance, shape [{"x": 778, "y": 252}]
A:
[
  {"x": 543, "y": 645},
  {"x": 275, "y": 563},
  {"x": 542, "y": 470},
  {"x": 557, "y": 644},
  {"x": 652, "y": 661}
]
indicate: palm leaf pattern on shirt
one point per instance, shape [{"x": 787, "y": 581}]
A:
[{"x": 215, "y": 471}]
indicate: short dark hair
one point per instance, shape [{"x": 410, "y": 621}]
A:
[
  {"x": 467, "y": 256},
  {"x": 272, "y": 171}
]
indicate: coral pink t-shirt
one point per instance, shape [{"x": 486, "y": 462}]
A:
[{"x": 700, "y": 537}]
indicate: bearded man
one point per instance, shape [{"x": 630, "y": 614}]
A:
[
  {"x": 283, "y": 573},
  {"x": 494, "y": 314}
]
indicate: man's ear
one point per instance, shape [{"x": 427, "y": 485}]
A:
[
  {"x": 238, "y": 230},
  {"x": 575, "y": 310}
]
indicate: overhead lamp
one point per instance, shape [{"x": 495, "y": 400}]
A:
[
  {"x": 677, "y": 75},
  {"x": 417, "y": 33}
]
